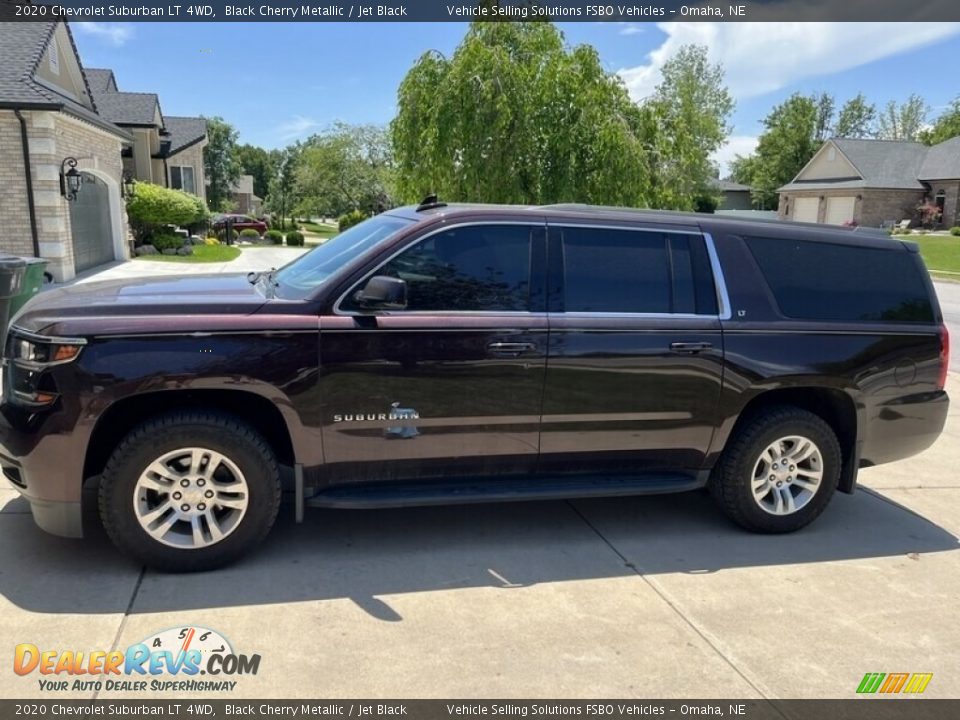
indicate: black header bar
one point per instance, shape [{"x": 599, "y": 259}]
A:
[{"x": 934, "y": 11}]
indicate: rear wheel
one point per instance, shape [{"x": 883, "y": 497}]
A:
[
  {"x": 779, "y": 472},
  {"x": 190, "y": 491}
]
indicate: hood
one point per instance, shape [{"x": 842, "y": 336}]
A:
[{"x": 78, "y": 308}]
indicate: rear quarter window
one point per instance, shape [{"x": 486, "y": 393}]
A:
[{"x": 826, "y": 281}]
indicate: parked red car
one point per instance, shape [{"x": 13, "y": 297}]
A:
[{"x": 240, "y": 223}]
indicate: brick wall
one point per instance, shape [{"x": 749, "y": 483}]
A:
[
  {"x": 54, "y": 136},
  {"x": 15, "y": 234},
  {"x": 951, "y": 204},
  {"x": 873, "y": 208}
]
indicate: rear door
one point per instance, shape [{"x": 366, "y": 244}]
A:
[
  {"x": 452, "y": 385},
  {"x": 635, "y": 361}
]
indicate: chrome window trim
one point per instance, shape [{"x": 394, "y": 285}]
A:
[
  {"x": 437, "y": 231},
  {"x": 719, "y": 281}
]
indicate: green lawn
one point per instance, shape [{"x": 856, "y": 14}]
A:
[
  {"x": 940, "y": 252},
  {"x": 201, "y": 254},
  {"x": 317, "y": 229}
]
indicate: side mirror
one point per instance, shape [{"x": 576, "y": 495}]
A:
[{"x": 382, "y": 293}]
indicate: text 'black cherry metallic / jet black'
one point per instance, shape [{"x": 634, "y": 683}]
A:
[{"x": 452, "y": 354}]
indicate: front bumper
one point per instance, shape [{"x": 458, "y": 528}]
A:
[{"x": 57, "y": 517}]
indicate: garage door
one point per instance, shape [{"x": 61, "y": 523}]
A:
[
  {"x": 840, "y": 209},
  {"x": 806, "y": 209},
  {"x": 90, "y": 224}
]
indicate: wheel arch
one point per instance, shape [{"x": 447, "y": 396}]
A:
[
  {"x": 125, "y": 414},
  {"x": 835, "y": 406}
]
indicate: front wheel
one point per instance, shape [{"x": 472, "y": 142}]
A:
[
  {"x": 190, "y": 491},
  {"x": 779, "y": 472}
]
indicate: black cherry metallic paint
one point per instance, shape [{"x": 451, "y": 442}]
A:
[{"x": 502, "y": 396}]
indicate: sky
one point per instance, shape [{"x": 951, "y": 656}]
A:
[{"x": 280, "y": 82}]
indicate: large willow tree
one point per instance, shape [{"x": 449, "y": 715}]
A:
[{"x": 515, "y": 116}]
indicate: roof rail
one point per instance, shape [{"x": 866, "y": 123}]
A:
[{"x": 430, "y": 202}]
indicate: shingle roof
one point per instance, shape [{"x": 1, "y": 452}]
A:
[
  {"x": 184, "y": 131},
  {"x": 885, "y": 163},
  {"x": 942, "y": 161},
  {"x": 127, "y": 108},
  {"x": 730, "y": 186},
  {"x": 22, "y": 45},
  {"x": 100, "y": 80}
]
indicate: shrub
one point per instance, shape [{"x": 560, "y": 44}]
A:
[
  {"x": 274, "y": 236},
  {"x": 167, "y": 242},
  {"x": 348, "y": 220},
  {"x": 211, "y": 241},
  {"x": 955, "y": 230},
  {"x": 249, "y": 234},
  {"x": 295, "y": 239},
  {"x": 151, "y": 207},
  {"x": 222, "y": 235}
]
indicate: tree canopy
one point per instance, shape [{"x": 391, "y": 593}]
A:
[
  {"x": 944, "y": 127},
  {"x": 514, "y": 116},
  {"x": 221, "y": 166}
]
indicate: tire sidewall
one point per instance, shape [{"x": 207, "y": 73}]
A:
[
  {"x": 764, "y": 435},
  {"x": 145, "y": 445}
]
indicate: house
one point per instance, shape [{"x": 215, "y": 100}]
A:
[
  {"x": 242, "y": 195},
  {"x": 62, "y": 125},
  {"x": 167, "y": 150},
  {"x": 50, "y": 125},
  {"x": 874, "y": 182},
  {"x": 734, "y": 196}
]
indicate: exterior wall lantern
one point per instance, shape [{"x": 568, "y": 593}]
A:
[
  {"x": 70, "y": 180},
  {"x": 127, "y": 185}
]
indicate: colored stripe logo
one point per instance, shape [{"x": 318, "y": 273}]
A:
[{"x": 892, "y": 683}]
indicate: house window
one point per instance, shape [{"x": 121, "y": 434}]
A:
[
  {"x": 940, "y": 200},
  {"x": 182, "y": 178},
  {"x": 54, "y": 58}
]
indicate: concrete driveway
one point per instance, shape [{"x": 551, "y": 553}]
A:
[{"x": 643, "y": 597}]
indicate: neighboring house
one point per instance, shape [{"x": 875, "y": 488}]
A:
[
  {"x": 873, "y": 182},
  {"x": 242, "y": 194},
  {"x": 47, "y": 115},
  {"x": 167, "y": 150},
  {"x": 734, "y": 196}
]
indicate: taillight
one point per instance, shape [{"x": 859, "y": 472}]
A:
[{"x": 944, "y": 356}]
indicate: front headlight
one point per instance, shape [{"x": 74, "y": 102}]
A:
[
  {"x": 28, "y": 357},
  {"x": 28, "y": 352}
]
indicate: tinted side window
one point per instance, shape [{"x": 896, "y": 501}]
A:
[
  {"x": 476, "y": 268},
  {"x": 632, "y": 271},
  {"x": 822, "y": 281}
]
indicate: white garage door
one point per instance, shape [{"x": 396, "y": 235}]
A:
[
  {"x": 806, "y": 209},
  {"x": 840, "y": 209}
]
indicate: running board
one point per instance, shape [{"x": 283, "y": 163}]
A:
[{"x": 494, "y": 490}]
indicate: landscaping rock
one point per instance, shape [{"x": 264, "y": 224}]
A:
[
  {"x": 170, "y": 251},
  {"x": 145, "y": 250},
  {"x": 185, "y": 250},
  {"x": 193, "y": 240}
]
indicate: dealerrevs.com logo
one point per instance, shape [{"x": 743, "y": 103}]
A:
[{"x": 170, "y": 660}]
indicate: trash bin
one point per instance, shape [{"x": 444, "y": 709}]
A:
[
  {"x": 11, "y": 284},
  {"x": 30, "y": 285}
]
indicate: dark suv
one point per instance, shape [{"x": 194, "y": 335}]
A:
[{"x": 457, "y": 354}]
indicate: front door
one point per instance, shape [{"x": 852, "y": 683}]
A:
[
  {"x": 636, "y": 350},
  {"x": 452, "y": 384}
]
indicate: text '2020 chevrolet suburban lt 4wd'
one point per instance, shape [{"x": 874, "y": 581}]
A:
[{"x": 445, "y": 354}]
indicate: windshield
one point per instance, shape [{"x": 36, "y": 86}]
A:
[{"x": 306, "y": 273}]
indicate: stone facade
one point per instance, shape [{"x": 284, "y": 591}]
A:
[{"x": 54, "y": 136}]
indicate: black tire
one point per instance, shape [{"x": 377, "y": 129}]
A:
[
  {"x": 224, "y": 434},
  {"x": 730, "y": 482}
]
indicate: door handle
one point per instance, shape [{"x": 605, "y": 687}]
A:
[
  {"x": 690, "y": 347},
  {"x": 510, "y": 349}
]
